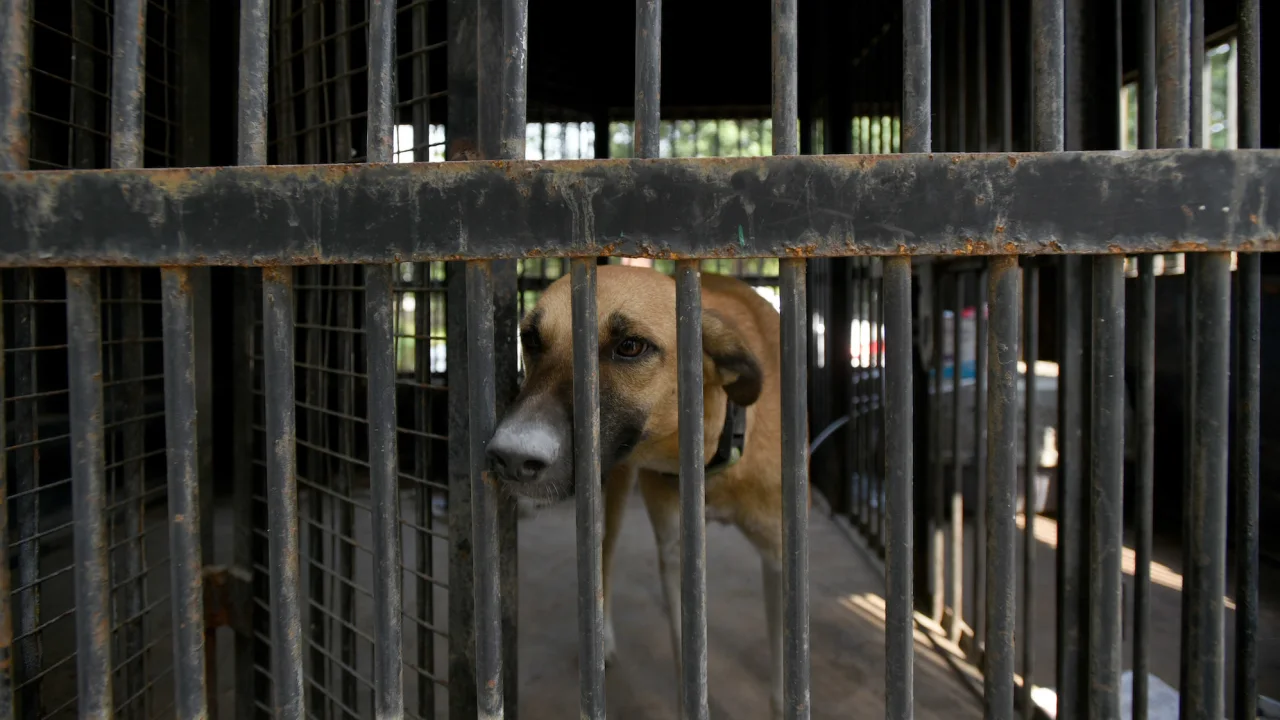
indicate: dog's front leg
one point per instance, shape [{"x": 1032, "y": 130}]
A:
[
  {"x": 662, "y": 499},
  {"x": 617, "y": 491},
  {"x": 772, "y": 572}
]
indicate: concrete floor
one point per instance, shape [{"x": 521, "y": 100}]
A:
[{"x": 846, "y": 629}]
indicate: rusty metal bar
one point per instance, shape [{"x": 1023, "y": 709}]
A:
[
  {"x": 1106, "y": 521},
  {"x": 1205, "y": 583},
  {"x": 15, "y": 137},
  {"x": 745, "y": 206},
  {"x": 956, "y": 499},
  {"x": 380, "y": 338},
  {"x": 980, "y": 461},
  {"x": 484, "y": 490},
  {"x": 1248, "y": 378},
  {"x": 1030, "y": 464},
  {"x": 181, "y": 422},
  {"x": 587, "y": 487},
  {"x": 1004, "y": 290},
  {"x": 648, "y": 79},
  {"x": 795, "y": 491},
  {"x": 93, "y": 595},
  {"x": 1144, "y": 482},
  {"x": 693, "y": 540},
  {"x": 899, "y": 625},
  {"x": 795, "y": 696},
  {"x": 937, "y": 489},
  {"x": 128, "y": 76},
  {"x": 282, "y": 490}
]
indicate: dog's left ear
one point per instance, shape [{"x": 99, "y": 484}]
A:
[{"x": 734, "y": 366}]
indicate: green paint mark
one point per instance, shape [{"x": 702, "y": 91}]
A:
[{"x": 742, "y": 240}]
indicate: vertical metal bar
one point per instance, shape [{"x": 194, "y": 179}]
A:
[
  {"x": 1030, "y": 464},
  {"x": 962, "y": 79},
  {"x": 15, "y": 95},
  {"x": 693, "y": 541},
  {"x": 1069, "y": 499},
  {"x": 84, "y": 370},
  {"x": 899, "y": 639},
  {"x": 864, "y": 404},
  {"x": 184, "y": 507},
  {"x": 1173, "y": 68},
  {"x": 282, "y": 490},
  {"x": 957, "y": 469},
  {"x": 590, "y": 517},
  {"x": 1144, "y": 489},
  {"x": 980, "y": 80},
  {"x": 980, "y": 462},
  {"x": 251, "y": 150},
  {"x": 795, "y": 488},
  {"x": 484, "y": 490},
  {"x": 380, "y": 332},
  {"x": 1002, "y": 468},
  {"x": 1195, "y": 109},
  {"x": 1248, "y": 378},
  {"x": 380, "y": 302},
  {"x": 937, "y": 491},
  {"x": 648, "y": 78},
  {"x": 127, "y": 95},
  {"x": 1147, "y": 77},
  {"x": 1144, "y": 482},
  {"x": 1106, "y": 493},
  {"x": 795, "y": 330},
  {"x": 1006, "y": 77},
  {"x": 853, "y": 458},
  {"x": 876, "y": 389},
  {"x": 1202, "y": 689}
]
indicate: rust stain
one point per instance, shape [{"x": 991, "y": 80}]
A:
[
  {"x": 1013, "y": 162},
  {"x": 1253, "y": 218}
]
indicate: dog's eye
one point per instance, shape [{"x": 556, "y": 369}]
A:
[{"x": 631, "y": 348}]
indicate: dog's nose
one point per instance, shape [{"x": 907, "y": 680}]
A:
[{"x": 521, "y": 453}]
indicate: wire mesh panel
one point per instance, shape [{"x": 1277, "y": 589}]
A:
[
  {"x": 319, "y": 86},
  {"x": 70, "y": 61}
]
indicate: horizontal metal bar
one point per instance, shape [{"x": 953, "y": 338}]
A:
[{"x": 760, "y": 207}]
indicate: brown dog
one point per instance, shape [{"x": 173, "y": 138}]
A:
[{"x": 532, "y": 449}]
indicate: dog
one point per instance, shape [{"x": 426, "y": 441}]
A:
[{"x": 531, "y": 450}]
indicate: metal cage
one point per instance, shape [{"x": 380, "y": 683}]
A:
[{"x": 365, "y": 563}]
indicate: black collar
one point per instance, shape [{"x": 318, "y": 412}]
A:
[{"x": 733, "y": 438}]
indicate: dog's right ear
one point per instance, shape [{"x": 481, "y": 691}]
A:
[{"x": 734, "y": 366}]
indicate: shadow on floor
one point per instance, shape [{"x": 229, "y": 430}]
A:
[{"x": 846, "y": 629}]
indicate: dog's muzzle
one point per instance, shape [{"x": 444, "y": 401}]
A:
[{"x": 529, "y": 445}]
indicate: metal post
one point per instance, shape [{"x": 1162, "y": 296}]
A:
[
  {"x": 128, "y": 74},
  {"x": 1144, "y": 489},
  {"x": 1248, "y": 378},
  {"x": 181, "y": 425},
  {"x": 15, "y": 95},
  {"x": 1030, "y": 464},
  {"x": 899, "y": 626},
  {"x": 795, "y": 330},
  {"x": 980, "y": 463},
  {"x": 380, "y": 331},
  {"x": 587, "y": 474},
  {"x": 484, "y": 490},
  {"x": 957, "y": 468},
  {"x": 1002, "y": 467},
  {"x": 1106, "y": 522},
  {"x": 282, "y": 490},
  {"x": 84, "y": 370}
]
